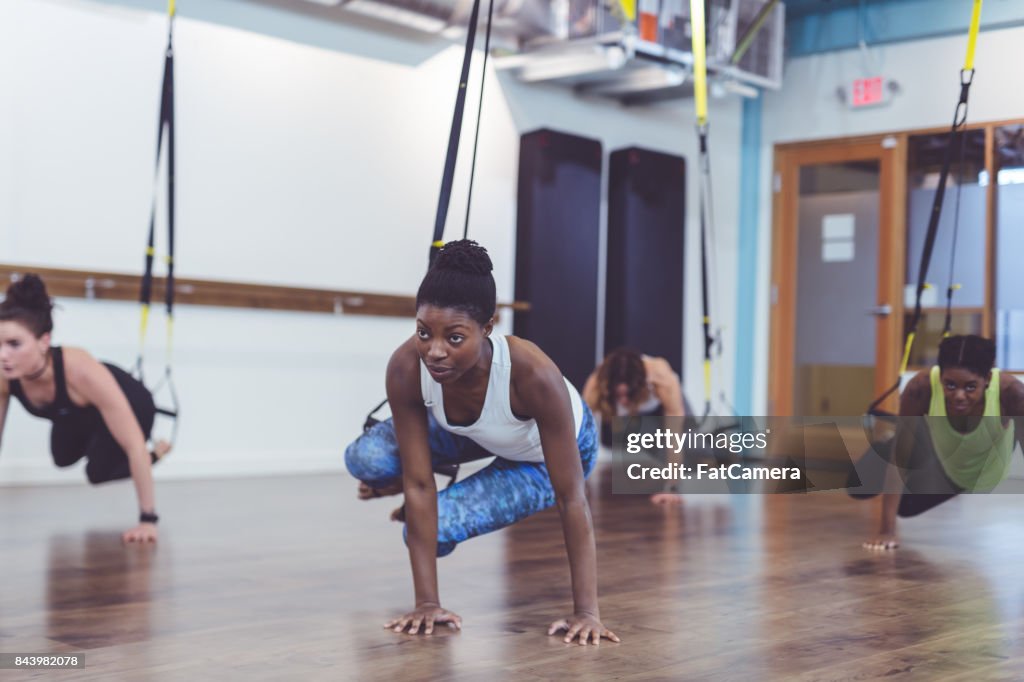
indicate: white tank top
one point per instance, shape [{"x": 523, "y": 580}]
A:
[{"x": 497, "y": 430}]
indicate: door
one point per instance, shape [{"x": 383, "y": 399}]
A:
[{"x": 836, "y": 277}]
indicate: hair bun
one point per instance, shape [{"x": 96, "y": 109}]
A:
[
  {"x": 29, "y": 292},
  {"x": 464, "y": 255}
]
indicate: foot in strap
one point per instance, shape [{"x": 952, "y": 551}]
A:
[{"x": 449, "y": 470}]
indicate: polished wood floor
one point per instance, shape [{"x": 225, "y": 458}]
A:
[{"x": 292, "y": 578}]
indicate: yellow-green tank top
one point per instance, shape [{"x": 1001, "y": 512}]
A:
[{"x": 975, "y": 461}]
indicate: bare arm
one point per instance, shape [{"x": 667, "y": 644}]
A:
[
  {"x": 94, "y": 382},
  {"x": 669, "y": 392},
  {"x": 410, "y": 420},
  {"x": 913, "y": 403},
  {"x": 539, "y": 391},
  {"x": 667, "y": 388}
]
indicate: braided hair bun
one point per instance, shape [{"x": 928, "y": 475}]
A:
[{"x": 460, "y": 278}]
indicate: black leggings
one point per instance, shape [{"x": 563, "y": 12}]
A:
[
  {"x": 89, "y": 437},
  {"x": 923, "y": 472}
]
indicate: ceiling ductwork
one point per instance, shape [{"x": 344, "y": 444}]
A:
[
  {"x": 635, "y": 53},
  {"x": 515, "y": 21}
]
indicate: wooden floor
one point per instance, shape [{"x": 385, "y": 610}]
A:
[{"x": 292, "y": 578}]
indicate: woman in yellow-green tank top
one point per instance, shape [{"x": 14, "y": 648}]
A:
[{"x": 964, "y": 441}]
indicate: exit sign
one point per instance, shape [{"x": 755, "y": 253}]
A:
[{"x": 868, "y": 92}]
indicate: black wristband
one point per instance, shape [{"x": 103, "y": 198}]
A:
[{"x": 148, "y": 517}]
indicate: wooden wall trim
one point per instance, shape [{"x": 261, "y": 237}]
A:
[{"x": 113, "y": 286}]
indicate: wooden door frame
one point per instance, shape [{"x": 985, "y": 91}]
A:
[{"x": 891, "y": 152}]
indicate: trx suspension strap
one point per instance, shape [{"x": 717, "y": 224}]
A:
[
  {"x": 951, "y": 286},
  {"x": 146, "y": 288},
  {"x": 700, "y": 91},
  {"x": 956, "y": 133},
  {"x": 448, "y": 178}
]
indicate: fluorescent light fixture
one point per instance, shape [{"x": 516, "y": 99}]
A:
[
  {"x": 557, "y": 66},
  {"x": 638, "y": 80},
  {"x": 741, "y": 89}
]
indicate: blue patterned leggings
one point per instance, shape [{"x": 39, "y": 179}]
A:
[{"x": 499, "y": 495}]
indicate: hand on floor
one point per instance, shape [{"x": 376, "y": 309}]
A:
[
  {"x": 426, "y": 616},
  {"x": 882, "y": 543},
  {"x": 586, "y": 627},
  {"x": 144, "y": 533}
]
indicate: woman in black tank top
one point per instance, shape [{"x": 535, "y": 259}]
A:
[{"x": 99, "y": 412}]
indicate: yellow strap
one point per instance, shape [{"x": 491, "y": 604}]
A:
[
  {"x": 170, "y": 8},
  {"x": 170, "y": 337},
  {"x": 700, "y": 67},
  {"x": 972, "y": 37},
  {"x": 143, "y": 325},
  {"x": 150, "y": 251},
  {"x": 906, "y": 353},
  {"x": 439, "y": 243},
  {"x": 707, "y": 380},
  {"x": 168, "y": 259},
  {"x": 628, "y": 9}
]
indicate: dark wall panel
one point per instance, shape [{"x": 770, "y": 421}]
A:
[
  {"x": 557, "y": 242},
  {"x": 646, "y": 221}
]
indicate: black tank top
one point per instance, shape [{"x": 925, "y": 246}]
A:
[{"x": 61, "y": 409}]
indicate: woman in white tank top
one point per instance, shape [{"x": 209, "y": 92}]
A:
[{"x": 459, "y": 393}]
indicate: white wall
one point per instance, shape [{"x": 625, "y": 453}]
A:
[
  {"x": 928, "y": 73},
  {"x": 296, "y": 165}
]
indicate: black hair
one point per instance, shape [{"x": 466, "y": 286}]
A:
[
  {"x": 973, "y": 353},
  {"x": 461, "y": 278},
  {"x": 621, "y": 366},
  {"x": 28, "y": 303}
]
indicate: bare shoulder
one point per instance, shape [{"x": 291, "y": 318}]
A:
[
  {"x": 79, "y": 365},
  {"x": 529, "y": 361},
  {"x": 1009, "y": 381},
  {"x": 538, "y": 388},
  {"x": 659, "y": 369},
  {"x": 917, "y": 394},
  {"x": 920, "y": 384},
  {"x": 405, "y": 358},
  {"x": 403, "y": 371},
  {"x": 1011, "y": 395},
  {"x": 536, "y": 378}
]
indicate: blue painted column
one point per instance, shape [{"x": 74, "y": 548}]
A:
[{"x": 746, "y": 274}]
